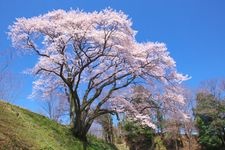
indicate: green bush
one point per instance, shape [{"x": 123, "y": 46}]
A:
[
  {"x": 158, "y": 142},
  {"x": 138, "y": 136}
]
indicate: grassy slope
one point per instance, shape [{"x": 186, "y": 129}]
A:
[{"x": 22, "y": 129}]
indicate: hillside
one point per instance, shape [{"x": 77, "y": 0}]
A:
[{"x": 22, "y": 129}]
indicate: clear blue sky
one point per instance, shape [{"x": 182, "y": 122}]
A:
[{"x": 194, "y": 31}]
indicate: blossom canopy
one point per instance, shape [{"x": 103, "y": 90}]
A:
[{"x": 92, "y": 56}]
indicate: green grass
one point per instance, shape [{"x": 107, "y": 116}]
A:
[{"x": 22, "y": 129}]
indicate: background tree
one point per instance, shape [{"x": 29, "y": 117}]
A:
[
  {"x": 210, "y": 115},
  {"x": 188, "y": 125},
  {"x": 106, "y": 122},
  {"x": 138, "y": 137},
  {"x": 55, "y": 107},
  {"x": 172, "y": 135},
  {"x": 173, "y": 126},
  {"x": 93, "y": 55},
  {"x": 210, "y": 118},
  {"x": 168, "y": 126}
]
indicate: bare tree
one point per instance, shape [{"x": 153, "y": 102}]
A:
[
  {"x": 10, "y": 84},
  {"x": 55, "y": 107},
  {"x": 216, "y": 87},
  {"x": 106, "y": 122},
  {"x": 188, "y": 125}
]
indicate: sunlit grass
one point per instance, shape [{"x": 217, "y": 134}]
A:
[{"x": 20, "y": 128}]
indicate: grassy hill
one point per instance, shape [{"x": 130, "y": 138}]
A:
[{"x": 22, "y": 129}]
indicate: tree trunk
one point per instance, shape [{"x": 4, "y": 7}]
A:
[
  {"x": 72, "y": 111},
  {"x": 176, "y": 145},
  {"x": 81, "y": 135},
  {"x": 80, "y": 132},
  {"x": 79, "y": 128},
  {"x": 77, "y": 121},
  {"x": 189, "y": 144}
]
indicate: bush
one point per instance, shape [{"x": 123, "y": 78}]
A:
[
  {"x": 158, "y": 142},
  {"x": 138, "y": 137}
]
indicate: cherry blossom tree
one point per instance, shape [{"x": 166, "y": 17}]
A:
[
  {"x": 93, "y": 56},
  {"x": 145, "y": 107}
]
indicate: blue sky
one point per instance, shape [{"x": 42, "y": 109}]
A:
[{"x": 194, "y": 31}]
